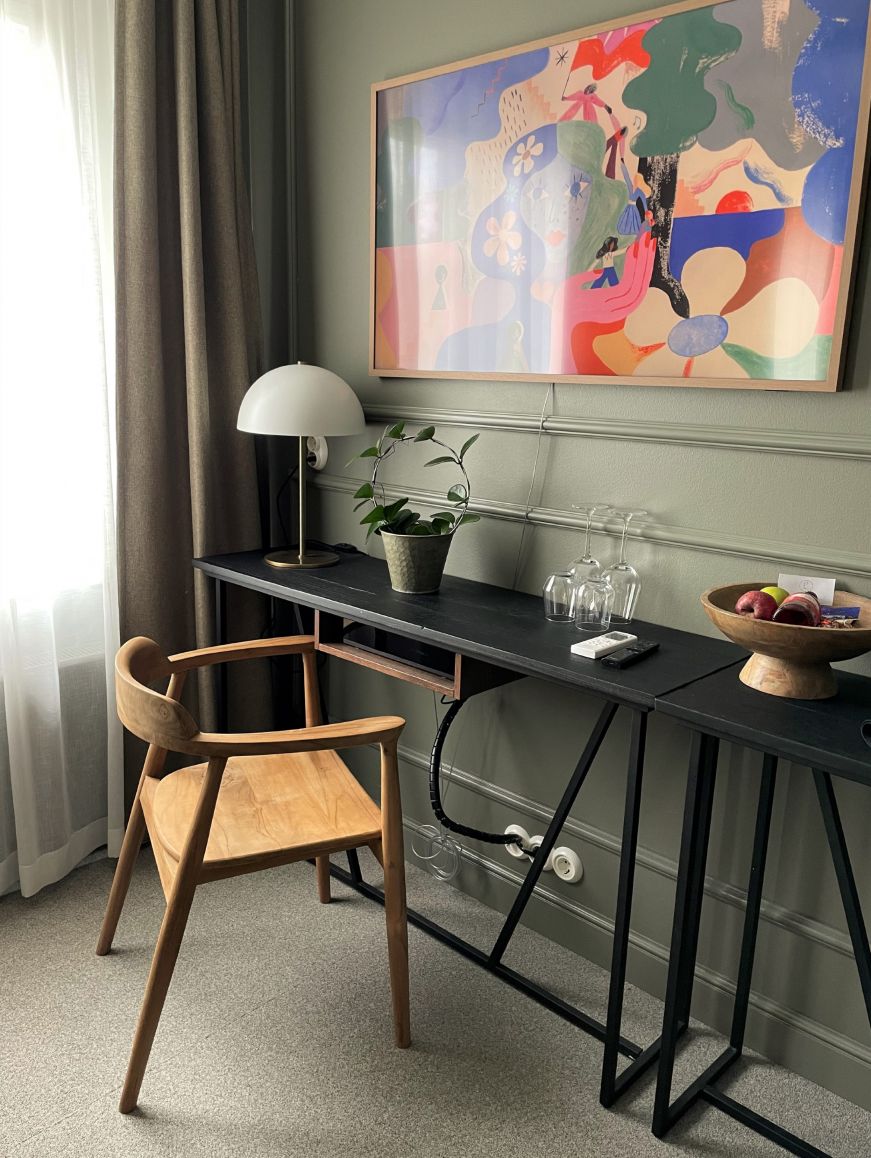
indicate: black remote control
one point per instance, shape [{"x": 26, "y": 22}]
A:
[{"x": 626, "y": 656}]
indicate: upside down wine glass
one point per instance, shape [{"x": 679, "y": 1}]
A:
[
  {"x": 586, "y": 567},
  {"x": 622, "y": 575}
]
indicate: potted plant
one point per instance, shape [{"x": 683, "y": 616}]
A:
[{"x": 416, "y": 548}]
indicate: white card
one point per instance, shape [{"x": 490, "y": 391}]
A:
[{"x": 824, "y": 589}]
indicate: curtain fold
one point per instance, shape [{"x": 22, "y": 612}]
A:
[
  {"x": 188, "y": 319},
  {"x": 61, "y": 781}
]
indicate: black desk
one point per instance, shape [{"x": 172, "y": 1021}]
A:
[
  {"x": 824, "y": 736},
  {"x": 504, "y": 630}
]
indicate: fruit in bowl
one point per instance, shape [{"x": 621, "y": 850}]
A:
[
  {"x": 788, "y": 659},
  {"x": 778, "y": 593},
  {"x": 758, "y": 604}
]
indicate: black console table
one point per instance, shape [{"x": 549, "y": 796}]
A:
[
  {"x": 478, "y": 636},
  {"x": 825, "y": 737}
]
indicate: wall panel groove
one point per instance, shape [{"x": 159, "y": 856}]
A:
[
  {"x": 814, "y": 443},
  {"x": 715, "y": 542}
]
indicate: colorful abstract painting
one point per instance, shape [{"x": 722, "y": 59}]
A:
[{"x": 674, "y": 201}]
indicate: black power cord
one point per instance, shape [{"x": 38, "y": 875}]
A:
[{"x": 435, "y": 794}]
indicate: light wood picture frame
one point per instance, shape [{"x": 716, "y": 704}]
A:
[{"x": 667, "y": 199}]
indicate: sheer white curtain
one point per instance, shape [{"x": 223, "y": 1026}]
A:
[{"x": 61, "y": 779}]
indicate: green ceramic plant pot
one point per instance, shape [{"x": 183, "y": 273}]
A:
[{"x": 416, "y": 562}]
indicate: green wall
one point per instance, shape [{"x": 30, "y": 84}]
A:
[{"x": 738, "y": 484}]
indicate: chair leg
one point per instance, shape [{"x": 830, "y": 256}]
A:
[
  {"x": 162, "y": 966},
  {"x": 121, "y": 880},
  {"x": 323, "y": 870},
  {"x": 155, "y": 759},
  {"x": 170, "y": 936},
  {"x": 394, "y": 894}
]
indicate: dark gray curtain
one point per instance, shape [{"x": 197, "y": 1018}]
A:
[{"x": 188, "y": 324}]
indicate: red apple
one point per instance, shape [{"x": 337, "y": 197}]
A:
[{"x": 758, "y": 604}]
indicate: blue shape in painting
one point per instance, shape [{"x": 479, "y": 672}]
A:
[
  {"x": 738, "y": 231},
  {"x": 464, "y": 106},
  {"x": 693, "y": 337},
  {"x": 825, "y": 102}
]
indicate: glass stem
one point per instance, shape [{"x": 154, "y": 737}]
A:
[
  {"x": 623, "y": 543},
  {"x": 587, "y": 538}
]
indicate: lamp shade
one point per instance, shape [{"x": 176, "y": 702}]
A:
[{"x": 301, "y": 400}]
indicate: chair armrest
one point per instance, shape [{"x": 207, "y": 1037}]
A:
[
  {"x": 249, "y": 649},
  {"x": 348, "y": 734}
]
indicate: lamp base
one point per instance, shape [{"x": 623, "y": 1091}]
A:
[{"x": 291, "y": 558}]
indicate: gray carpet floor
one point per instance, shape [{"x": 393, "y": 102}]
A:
[{"x": 276, "y": 1038}]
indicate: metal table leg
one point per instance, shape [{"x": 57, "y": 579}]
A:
[
  {"x": 687, "y": 909},
  {"x": 221, "y": 668},
  {"x": 492, "y": 961},
  {"x": 684, "y": 946}
]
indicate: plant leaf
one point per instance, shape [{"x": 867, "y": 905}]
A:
[
  {"x": 448, "y": 516},
  {"x": 391, "y": 511},
  {"x": 442, "y": 526},
  {"x": 365, "y": 491},
  {"x": 403, "y": 522},
  {"x": 469, "y": 517},
  {"x": 469, "y": 442},
  {"x": 425, "y": 435},
  {"x": 369, "y": 452},
  {"x": 458, "y": 494},
  {"x": 441, "y": 458},
  {"x": 421, "y": 529},
  {"x": 395, "y": 431},
  {"x": 376, "y": 515}
]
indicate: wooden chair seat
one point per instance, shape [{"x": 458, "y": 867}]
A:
[{"x": 270, "y": 810}]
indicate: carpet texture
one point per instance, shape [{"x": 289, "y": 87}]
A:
[{"x": 276, "y": 1039}]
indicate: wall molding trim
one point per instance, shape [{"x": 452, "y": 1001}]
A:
[
  {"x": 686, "y": 538},
  {"x": 793, "y": 922},
  {"x": 767, "y": 1007},
  {"x": 800, "y": 442}
]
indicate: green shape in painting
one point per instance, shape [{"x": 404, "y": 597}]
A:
[
  {"x": 745, "y": 120},
  {"x": 583, "y": 146},
  {"x": 671, "y": 90},
  {"x": 809, "y": 365}
]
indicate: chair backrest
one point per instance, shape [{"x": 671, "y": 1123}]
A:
[{"x": 146, "y": 713}]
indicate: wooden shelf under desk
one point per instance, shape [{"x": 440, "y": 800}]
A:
[{"x": 466, "y": 676}]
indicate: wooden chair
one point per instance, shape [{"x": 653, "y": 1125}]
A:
[{"x": 261, "y": 799}]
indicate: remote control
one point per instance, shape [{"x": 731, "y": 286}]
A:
[
  {"x": 601, "y": 645},
  {"x": 626, "y": 656}
]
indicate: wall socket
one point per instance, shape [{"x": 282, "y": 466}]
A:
[{"x": 317, "y": 452}]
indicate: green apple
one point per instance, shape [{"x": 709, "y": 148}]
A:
[{"x": 776, "y": 593}]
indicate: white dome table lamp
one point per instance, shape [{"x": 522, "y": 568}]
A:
[{"x": 300, "y": 401}]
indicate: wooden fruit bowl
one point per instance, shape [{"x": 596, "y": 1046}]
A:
[{"x": 788, "y": 660}]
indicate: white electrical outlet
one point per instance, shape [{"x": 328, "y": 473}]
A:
[
  {"x": 535, "y": 841},
  {"x": 514, "y": 849},
  {"x": 567, "y": 865},
  {"x": 317, "y": 452}
]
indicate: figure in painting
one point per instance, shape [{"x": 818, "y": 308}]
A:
[
  {"x": 606, "y": 253},
  {"x": 585, "y": 105}
]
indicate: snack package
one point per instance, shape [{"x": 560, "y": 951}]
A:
[{"x": 843, "y": 617}]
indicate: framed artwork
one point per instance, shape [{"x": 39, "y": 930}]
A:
[{"x": 671, "y": 201}]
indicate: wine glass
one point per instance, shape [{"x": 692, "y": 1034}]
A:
[
  {"x": 586, "y": 567},
  {"x": 593, "y": 602},
  {"x": 559, "y": 597},
  {"x": 623, "y": 577}
]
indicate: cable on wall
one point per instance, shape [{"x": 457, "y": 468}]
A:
[{"x": 548, "y": 398}]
